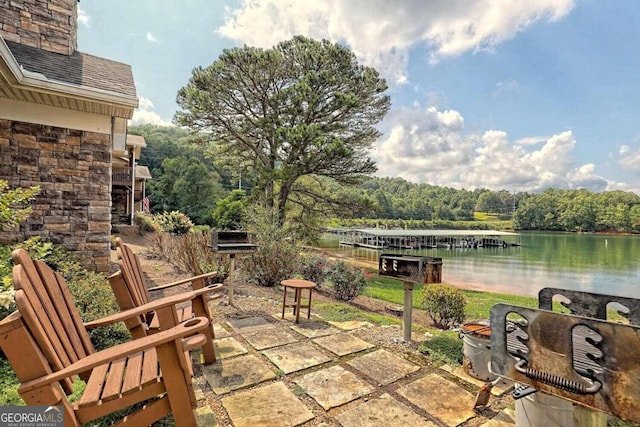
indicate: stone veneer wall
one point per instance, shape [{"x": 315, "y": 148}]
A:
[
  {"x": 46, "y": 24},
  {"x": 73, "y": 169}
]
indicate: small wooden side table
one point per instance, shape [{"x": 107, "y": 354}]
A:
[{"x": 297, "y": 285}]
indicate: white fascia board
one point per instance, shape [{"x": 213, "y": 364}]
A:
[{"x": 23, "y": 111}]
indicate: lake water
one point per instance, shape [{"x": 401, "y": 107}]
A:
[{"x": 585, "y": 262}]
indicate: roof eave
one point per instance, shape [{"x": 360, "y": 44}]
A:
[{"x": 41, "y": 83}]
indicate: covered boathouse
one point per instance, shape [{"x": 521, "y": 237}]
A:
[{"x": 375, "y": 238}]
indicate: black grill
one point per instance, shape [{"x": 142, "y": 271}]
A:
[{"x": 231, "y": 242}]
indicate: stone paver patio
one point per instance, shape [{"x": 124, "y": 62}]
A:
[
  {"x": 272, "y": 372},
  {"x": 267, "y": 338},
  {"x": 296, "y": 357},
  {"x": 240, "y": 372},
  {"x": 334, "y": 386},
  {"x": 342, "y": 344},
  {"x": 383, "y": 411},
  {"x": 272, "y": 405},
  {"x": 383, "y": 367}
]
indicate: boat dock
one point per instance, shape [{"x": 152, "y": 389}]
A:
[{"x": 374, "y": 238}]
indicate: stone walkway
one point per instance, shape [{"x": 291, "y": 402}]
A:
[{"x": 273, "y": 372}]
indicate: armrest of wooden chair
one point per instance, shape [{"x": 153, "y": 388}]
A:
[
  {"x": 197, "y": 282},
  {"x": 159, "y": 304}
]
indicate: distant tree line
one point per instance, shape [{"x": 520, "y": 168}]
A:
[
  {"x": 579, "y": 210},
  {"x": 186, "y": 178}
]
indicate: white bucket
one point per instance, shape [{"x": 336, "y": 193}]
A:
[
  {"x": 476, "y": 350},
  {"x": 542, "y": 409}
]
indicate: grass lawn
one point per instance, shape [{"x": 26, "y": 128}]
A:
[
  {"x": 478, "y": 303},
  {"x": 342, "y": 312}
]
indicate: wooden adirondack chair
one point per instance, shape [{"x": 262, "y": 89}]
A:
[
  {"x": 47, "y": 345},
  {"x": 131, "y": 290}
]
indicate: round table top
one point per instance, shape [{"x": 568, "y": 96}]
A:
[{"x": 298, "y": 283}]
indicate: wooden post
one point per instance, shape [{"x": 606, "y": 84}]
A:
[
  {"x": 232, "y": 268},
  {"x": 407, "y": 312}
]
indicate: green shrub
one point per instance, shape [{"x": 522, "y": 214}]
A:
[
  {"x": 231, "y": 211},
  {"x": 313, "y": 267},
  {"x": 174, "y": 222},
  {"x": 201, "y": 228},
  {"x": 444, "y": 304},
  {"x": 37, "y": 249},
  {"x": 276, "y": 256},
  {"x": 14, "y": 204},
  {"x": 7, "y": 303},
  {"x": 9, "y": 385},
  {"x": 145, "y": 223},
  {"x": 348, "y": 281},
  {"x": 14, "y": 208}
]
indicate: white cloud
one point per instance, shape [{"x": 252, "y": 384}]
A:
[
  {"x": 531, "y": 140},
  {"x": 144, "y": 114},
  {"x": 381, "y": 32},
  {"x": 151, "y": 38},
  {"x": 427, "y": 145},
  {"x": 629, "y": 157},
  {"x": 83, "y": 18},
  {"x": 145, "y": 103},
  {"x": 506, "y": 88}
]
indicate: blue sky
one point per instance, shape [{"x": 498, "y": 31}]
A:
[{"x": 515, "y": 95}]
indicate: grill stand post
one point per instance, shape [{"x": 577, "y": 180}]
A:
[
  {"x": 231, "y": 278},
  {"x": 407, "y": 312}
]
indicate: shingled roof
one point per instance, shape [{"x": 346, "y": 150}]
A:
[{"x": 79, "y": 69}]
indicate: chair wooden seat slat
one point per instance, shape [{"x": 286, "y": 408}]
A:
[
  {"x": 134, "y": 374},
  {"x": 131, "y": 290},
  {"x": 48, "y": 346},
  {"x": 94, "y": 386},
  {"x": 149, "y": 372},
  {"x": 115, "y": 379}
]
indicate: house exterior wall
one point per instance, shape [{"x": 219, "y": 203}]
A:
[
  {"x": 46, "y": 24},
  {"x": 73, "y": 169}
]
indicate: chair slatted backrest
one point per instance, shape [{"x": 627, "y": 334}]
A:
[
  {"x": 48, "y": 309},
  {"x": 132, "y": 272}
]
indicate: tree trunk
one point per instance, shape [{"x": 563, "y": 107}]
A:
[{"x": 282, "y": 201}]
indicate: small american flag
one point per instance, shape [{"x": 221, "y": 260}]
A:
[{"x": 145, "y": 204}]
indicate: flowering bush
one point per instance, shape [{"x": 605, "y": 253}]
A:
[
  {"x": 14, "y": 204},
  {"x": 313, "y": 267},
  {"x": 348, "y": 281},
  {"x": 145, "y": 222},
  {"x": 174, "y": 222},
  {"x": 14, "y": 208}
]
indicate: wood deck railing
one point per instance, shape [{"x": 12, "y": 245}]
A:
[{"x": 121, "y": 176}]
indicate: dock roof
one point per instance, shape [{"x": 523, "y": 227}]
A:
[{"x": 420, "y": 233}]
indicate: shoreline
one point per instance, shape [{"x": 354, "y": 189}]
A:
[
  {"x": 463, "y": 285},
  {"x": 479, "y": 287}
]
